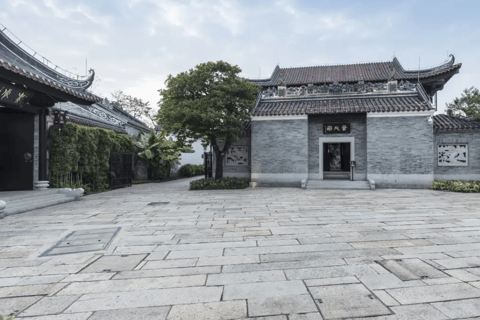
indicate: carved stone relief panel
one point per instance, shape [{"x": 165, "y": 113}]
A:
[
  {"x": 237, "y": 156},
  {"x": 452, "y": 155}
]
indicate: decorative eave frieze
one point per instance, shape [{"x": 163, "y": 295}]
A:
[{"x": 342, "y": 88}]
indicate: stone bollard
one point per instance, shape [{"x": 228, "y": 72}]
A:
[
  {"x": 372, "y": 184},
  {"x": 304, "y": 183},
  {"x": 74, "y": 193},
  {"x": 3, "y": 205}
]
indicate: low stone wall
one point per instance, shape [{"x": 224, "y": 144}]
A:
[{"x": 469, "y": 172}]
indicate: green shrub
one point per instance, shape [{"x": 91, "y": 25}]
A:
[
  {"x": 199, "y": 169},
  {"x": 191, "y": 170},
  {"x": 457, "y": 185},
  {"x": 224, "y": 183},
  {"x": 81, "y": 157}
]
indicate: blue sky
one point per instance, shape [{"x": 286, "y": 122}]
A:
[{"x": 133, "y": 45}]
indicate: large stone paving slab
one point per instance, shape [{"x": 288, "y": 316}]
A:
[
  {"x": 425, "y": 294},
  {"x": 411, "y": 269},
  {"x": 347, "y": 300},
  {"x": 115, "y": 263},
  {"x": 146, "y": 298}
]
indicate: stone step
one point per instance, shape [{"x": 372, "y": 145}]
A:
[
  {"x": 336, "y": 175},
  {"x": 338, "y": 185},
  {"x": 28, "y": 203}
]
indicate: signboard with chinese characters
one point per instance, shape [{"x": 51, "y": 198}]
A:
[
  {"x": 13, "y": 96},
  {"x": 237, "y": 156},
  {"x": 452, "y": 155},
  {"x": 329, "y": 128}
]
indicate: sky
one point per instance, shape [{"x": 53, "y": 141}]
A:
[{"x": 133, "y": 45}]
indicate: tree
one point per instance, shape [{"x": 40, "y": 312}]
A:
[
  {"x": 467, "y": 105},
  {"x": 210, "y": 102},
  {"x": 159, "y": 153},
  {"x": 135, "y": 107}
]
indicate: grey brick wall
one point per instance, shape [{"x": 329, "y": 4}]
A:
[
  {"x": 279, "y": 152},
  {"x": 280, "y": 146},
  {"x": 237, "y": 171},
  {"x": 400, "y": 148},
  {"x": 470, "y": 172},
  {"x": 358, "y": 128}
]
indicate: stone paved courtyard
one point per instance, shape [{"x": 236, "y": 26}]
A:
[{"x": 159, "y": 251}]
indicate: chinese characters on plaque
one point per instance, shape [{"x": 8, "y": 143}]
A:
[
  {"x": 452, "y": 155},
  {"x": 329, "y": 128},
  {"x": 13, "y": 96}
]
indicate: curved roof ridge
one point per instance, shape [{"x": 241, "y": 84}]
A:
[
  {"x": 338, "y": 65},
  {"x": 447, "y": 64},
  {"x": 16, "y": 55}
]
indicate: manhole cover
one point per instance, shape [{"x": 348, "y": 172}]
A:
[
  {"x": 83, "y": 241},
  {"x": 155, "y": 204}
]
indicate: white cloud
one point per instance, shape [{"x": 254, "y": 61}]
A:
[{"x": 134, "y": 44}]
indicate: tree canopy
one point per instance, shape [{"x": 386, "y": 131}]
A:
[
  {"x": 136, "y": 107},
  {"x": 468, "y": 104},
  {"x": 209, "y": 102}
]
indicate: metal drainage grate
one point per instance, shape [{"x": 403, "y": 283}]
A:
[
  {"x": 83, "y": 241},
  {"x": 156, "y": 204}
]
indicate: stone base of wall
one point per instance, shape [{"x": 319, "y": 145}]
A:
[
  {"x": 402, "y": 181},
  {"x": 465, "y": 177},
  {"x": 356, "y": 176},
  {"x": 236, "y": 175},
  {"x": 279, "y": 179}
]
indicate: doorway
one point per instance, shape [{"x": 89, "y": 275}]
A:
[
  {"x": 336, "y": 160},
  {"x": 335, "y": 155},
  {"x": 16, "y": 150}
]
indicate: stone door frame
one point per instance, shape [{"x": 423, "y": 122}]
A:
[{"x": 322, "y": 140}]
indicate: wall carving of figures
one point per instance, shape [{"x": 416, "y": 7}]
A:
[
  {"x": 237, "y": 156},
  {"x": 453, "y": 155},
  {"x": 338, "y": 88}
]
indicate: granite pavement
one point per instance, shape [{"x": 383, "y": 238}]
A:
[{"x": 159, "y": 251}]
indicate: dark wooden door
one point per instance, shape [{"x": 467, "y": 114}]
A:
[
  {"x": 326, "y": 158},
  {"x": 16, "y": 150},
  {"x": 345, "y": 153}
]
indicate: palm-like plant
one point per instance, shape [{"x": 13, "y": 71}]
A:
[{"x": 159, "y": 153}]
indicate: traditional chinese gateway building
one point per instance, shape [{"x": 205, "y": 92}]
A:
[
  {"x": 371, "y": 121},
  {"x": 31, "y": 90}
]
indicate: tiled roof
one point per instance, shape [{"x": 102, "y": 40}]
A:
[
  {"x": 375, "y": 71},
  {"x": 443, "y": 122},
  {"x": 92, "y": 123},
  {"x": 15, "y": 59},
  {"x": 396, "y": 102}
]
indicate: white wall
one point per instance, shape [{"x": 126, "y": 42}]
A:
[{"x": 193, "y": 158}]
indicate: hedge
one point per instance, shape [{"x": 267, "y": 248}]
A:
[
  {"x": 191, "y": 170},
  {"x": 457, "y": 185},
  {"x": 81, "y": 157},
  {"x": 224, "y": 183}
]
